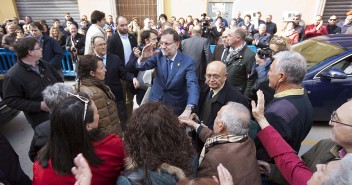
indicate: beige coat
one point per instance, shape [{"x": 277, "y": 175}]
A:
[{"x": 103, "y": 98}]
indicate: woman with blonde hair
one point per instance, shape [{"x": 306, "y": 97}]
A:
[{"x": 56, "y": 34}]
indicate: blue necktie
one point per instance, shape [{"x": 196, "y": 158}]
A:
[{"x": 169, "y": 67}]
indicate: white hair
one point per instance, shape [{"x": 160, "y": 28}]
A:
[
  {"x": 236, "y": 118},
  {"x": 343, "y": 174},
  {"x": 292, "y": 64}
]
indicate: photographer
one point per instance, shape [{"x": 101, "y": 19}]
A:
[
  {"x": 207, "y": 28},
  {"x": 75, "y": 44},
  {"x": 261, "y": 69}
]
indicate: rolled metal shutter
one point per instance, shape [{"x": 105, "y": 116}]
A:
[
  {"x": 337, "y": 7},
  {"x": 48, "y": 9}
]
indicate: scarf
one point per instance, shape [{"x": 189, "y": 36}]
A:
[
  {"x": 233, "y": 54},
  {"x": 220, "y": 139}
]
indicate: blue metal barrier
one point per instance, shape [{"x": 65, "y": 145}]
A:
[
  {"x": 212, "y": 47},
  {"x": 67, "y": 66},
  {"x": 8, "y": 59},
  {"x": 253, "y": 48}
]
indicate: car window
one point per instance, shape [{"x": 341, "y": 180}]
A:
[{"x": 344, "y": 65}]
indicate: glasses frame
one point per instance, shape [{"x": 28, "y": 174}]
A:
[
  {"x": 83, "y": 99},
  {"x": 166, "y": 44},
  {"x": 332, "y": 119},
  {"x": 215, "y": 76}
]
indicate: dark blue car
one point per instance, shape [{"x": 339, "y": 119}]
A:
[{"x": 329, "y": 78}]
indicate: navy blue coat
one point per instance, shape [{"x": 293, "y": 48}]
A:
[
  {"x": 180, "y": 89},
  {"x": 52, "y": 52}
]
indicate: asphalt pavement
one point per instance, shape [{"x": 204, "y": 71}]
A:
[{"x": 20, "y": 134}]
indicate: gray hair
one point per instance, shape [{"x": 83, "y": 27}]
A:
[
  {"x": 342, "y": 174},
  {"x": 292, "y": 64},
  {"x": 239, "y": 123},
  {"x": 54, "y": 94},
  {"x": 239, "y": 32}
]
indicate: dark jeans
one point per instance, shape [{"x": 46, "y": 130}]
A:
[{"x": 121, "y": 107}]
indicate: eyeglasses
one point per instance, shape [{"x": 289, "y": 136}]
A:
[
  {"x": 39, "y": 48},
  {"x": 333, "y": 120},
  {"x": 83, "y": 99},
  {"x": 332, "y": 19},
  {"x": 295, "y": 19},
  {"x": 166, "y": 44},
  {"x": 215, "y": 76}
]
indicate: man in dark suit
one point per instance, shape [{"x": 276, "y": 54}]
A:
[
  {"x": 122, "y": 44},
  {"x": 115, "y": 72},
  {"x": 215, "y": 95},
  {"x": 239, "y": 61},
  {"x": 198, "y": 48},
  {"x": 175, "y": 83},
  {"x": 221, "y": 50}
]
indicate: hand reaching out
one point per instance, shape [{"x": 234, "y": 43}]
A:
[
  {"x": 81, "y": 171},
  {"x": 225, "y": 177}
]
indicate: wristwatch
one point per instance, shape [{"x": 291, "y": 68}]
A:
[{"x": 189, "y": 107}]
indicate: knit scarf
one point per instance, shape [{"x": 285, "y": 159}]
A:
[{"x": 212, "y": 141}]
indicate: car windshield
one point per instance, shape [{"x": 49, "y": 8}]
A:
[{"x": 318, "y": 49}]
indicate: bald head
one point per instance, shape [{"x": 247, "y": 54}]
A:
[{"x": 215, "y": 75}]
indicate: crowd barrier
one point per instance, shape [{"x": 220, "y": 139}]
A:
[{"x": 8, "y": 59}]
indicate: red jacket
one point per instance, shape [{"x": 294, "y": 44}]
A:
[
  {"x": 291, "y": 166},
  {"x": 110, "y": 150},
  {"x": 311, "y": 31}
]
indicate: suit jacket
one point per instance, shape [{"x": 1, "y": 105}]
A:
[
  {"x": 115, "y": 45},
  {"x": 180, "y": 89},
  {"x": 239, "y": 68},
  {"x": 218, "y": 50},
  {"x": 198, "y": 48},
  {"x": 226, "y": 94},
  {"x": 239, "y": 158},
  {"x": 115, "y": 70}
]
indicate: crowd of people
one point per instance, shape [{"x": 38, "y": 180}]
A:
[{"x": 193, "y": 124}]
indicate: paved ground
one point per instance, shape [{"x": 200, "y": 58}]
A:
[{"x": 20, "y": 134}]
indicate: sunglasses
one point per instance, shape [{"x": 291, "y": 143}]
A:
[
  {"x": 83, "y": 99},
  {"x": 332, "y": 19}
]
